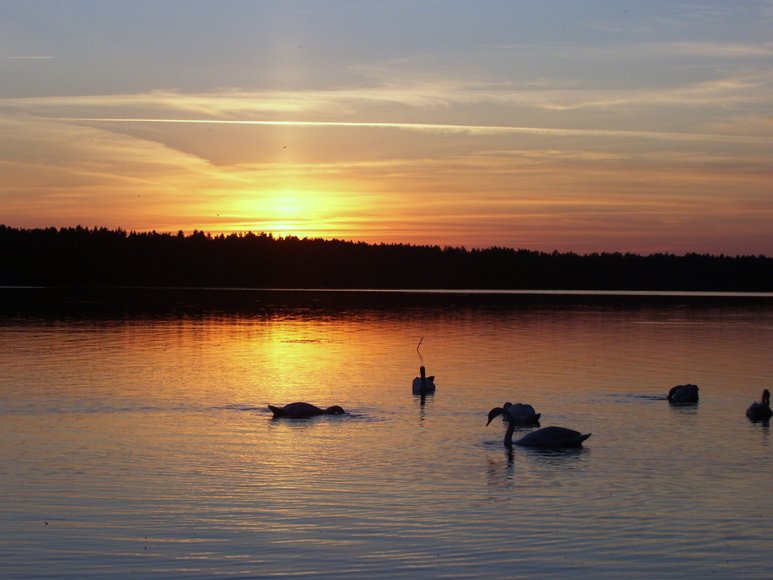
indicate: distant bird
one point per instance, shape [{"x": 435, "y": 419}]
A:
[
  {"x": 303, "y": 411},
  {"x": 681, "y": 394},
  {"x": 423, "y": 384},
  {"x": 760, "y": 411},
  {"x": 520, "y": 413},
  {"x": 547, "y": 437}
]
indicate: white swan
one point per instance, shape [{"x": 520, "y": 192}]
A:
[
  {"x": 760, "y": 411},
  {"x": 683, "y": 394},
  {"x": 520, "y": 413},
  {"x": 423, "y": 384},
  {"x": 547, "y": 437}
]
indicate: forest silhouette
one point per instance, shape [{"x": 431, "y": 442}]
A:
[{"x": 78, "y": 256}]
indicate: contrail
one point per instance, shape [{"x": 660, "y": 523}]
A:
[
  {"x": 26, "y": 57},
  {"x": 439, "y": 127}
]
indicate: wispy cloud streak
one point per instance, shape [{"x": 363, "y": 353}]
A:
[
  {"x": 440, "y": 127},
  {"x": 26, "y": 57}
]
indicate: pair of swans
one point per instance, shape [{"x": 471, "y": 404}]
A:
[
  {"x": 688, "y": 394},
  {"x": 518, "y": 414},
  {"x": 521, "y": 414},
  {"x": 422, "y": 385}
]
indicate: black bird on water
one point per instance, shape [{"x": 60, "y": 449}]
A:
[{"x": 303, "y": 411}]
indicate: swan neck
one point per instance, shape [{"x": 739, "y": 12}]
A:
[{"x": 509, "y": 434}]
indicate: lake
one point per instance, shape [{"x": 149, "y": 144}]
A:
[{"x": 136, "y": 441}]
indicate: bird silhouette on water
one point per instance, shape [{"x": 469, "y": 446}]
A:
[
  {"x": 302, "y": 410},
  {"x": 520, "y": 413},
  {"x": 423, "y": 384},
  {"x": 682, "y": 394},
  {"x": 760, "y": 411}
]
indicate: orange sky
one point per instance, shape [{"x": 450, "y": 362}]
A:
[{"x": 636, "y": 132}]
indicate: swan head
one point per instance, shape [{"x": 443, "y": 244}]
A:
[
  {"x": 494, "y": 413},
  {"x": 766, "y": 397},
  {"x": 335, "y": 410},
  {"x": 422, "y": 372}
]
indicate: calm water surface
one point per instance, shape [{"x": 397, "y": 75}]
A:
[{"x": 139, "y": 444}]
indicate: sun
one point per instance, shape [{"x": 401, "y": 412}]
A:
[
  {"x": 303, "y": 211},
  {"x": 286, "y": 212}
]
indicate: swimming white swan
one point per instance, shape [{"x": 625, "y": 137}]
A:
[
  {"x": 760, "y": 411},
  {"x": 303, "y": 411},
  {"x": 683, "y": 394},
  {"x": 423, "y": 384},
  {"x": 520, "y": 413},
  {"x": 547, "y": 437}
]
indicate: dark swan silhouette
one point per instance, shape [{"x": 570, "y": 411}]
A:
[
  {"x": 546, "y": 438},
  {"x": 681, "y": 394},
  {"x": 520, "y": 413},
  {"x": 423, "y": 384},
  {"x": 760, "y": 411},
  {"x": 303, "y": 411}
]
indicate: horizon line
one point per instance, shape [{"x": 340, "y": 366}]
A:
[{"x": 276, "y": 236}]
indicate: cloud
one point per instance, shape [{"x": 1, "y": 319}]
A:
[
  {"x": 641, "y": 50},
  {"x": 538, "y": 105},
  {"x": 27, "y": 57},
  {"x": 438, "y": 127}
]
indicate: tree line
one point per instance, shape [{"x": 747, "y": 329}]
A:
[{"x": 78, "y": 256}]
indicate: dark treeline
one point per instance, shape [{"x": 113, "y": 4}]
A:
[{"x": 102, "y": 257}]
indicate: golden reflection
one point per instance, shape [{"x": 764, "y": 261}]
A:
[{"x": 294, "y": 360}]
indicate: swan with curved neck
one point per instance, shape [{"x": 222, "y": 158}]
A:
[
  {"x": 760, "y": 411},
  {"x": 547, "y": 437},
  {"x": 519, "y": 413},
  {"x": 303, "y": 411},
  {"x": 681, "y": 394},
  {"x": 423, "y": 384}
]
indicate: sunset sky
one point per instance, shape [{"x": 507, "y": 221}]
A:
[{"x": 548, "y": 125}]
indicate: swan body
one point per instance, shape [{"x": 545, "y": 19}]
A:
[
  {"x": 303, "y": 411},
  {"x": 552, "y": 437},
  {"x": 760, "y": 411},
  {"x": 519, "y": 413},
  {"x": 423, "y": 384},
  {"x": 681, "y": 394}
]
